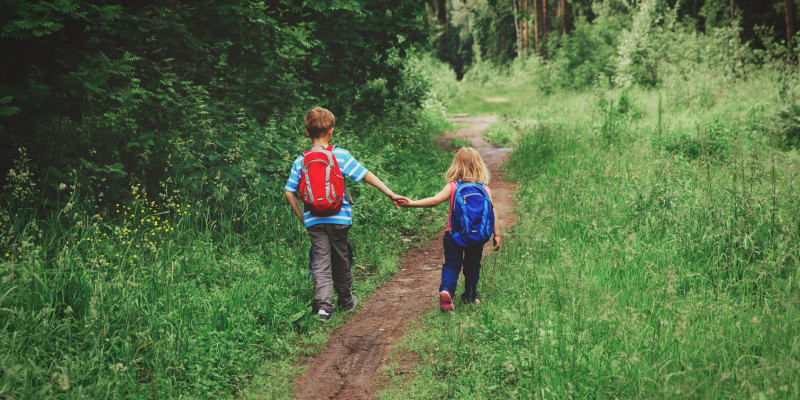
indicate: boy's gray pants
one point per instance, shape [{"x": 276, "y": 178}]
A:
[{"x": 331, "y": 257}]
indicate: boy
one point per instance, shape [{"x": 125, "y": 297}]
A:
[{"x": 329, "y": 235}]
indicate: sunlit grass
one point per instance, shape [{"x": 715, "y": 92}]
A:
[{"x": 647, "y": 261}]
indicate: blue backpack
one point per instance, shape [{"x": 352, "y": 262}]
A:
[{"x": 472, "y": 217}]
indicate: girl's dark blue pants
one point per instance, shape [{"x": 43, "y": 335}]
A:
[{"x": 456, "y": 257}]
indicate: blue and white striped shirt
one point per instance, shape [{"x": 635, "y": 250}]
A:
[{"x": 350, "y": 167}]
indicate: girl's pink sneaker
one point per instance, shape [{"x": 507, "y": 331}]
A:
[{"x": 445, "y": 301}]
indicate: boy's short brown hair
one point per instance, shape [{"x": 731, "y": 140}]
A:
[{"x": 318, "y": 121}]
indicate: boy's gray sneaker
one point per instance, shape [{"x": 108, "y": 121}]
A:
[
  {"x": 352, "y": 306},
  {"x": 323, "y": 315}
]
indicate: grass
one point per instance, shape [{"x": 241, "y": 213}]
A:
[
  {"x": 163, "y": 296},
  {"x": 656, "y": 255}
]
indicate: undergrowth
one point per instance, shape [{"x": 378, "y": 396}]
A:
[
  {"x": 169, "y": 294},
  {"x": 655, "y": 255}
]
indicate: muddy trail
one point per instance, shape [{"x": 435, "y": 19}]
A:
[{"x": 350, "y": 367}]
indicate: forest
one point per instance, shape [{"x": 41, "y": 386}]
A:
[{"x": 147, "y": 250}]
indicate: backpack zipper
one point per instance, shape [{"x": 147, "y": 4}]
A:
[{"x": 464, "y": 198}]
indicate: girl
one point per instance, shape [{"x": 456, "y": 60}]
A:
[{"x": 467, "y": 167}]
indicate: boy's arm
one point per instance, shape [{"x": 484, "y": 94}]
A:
[
  {"x": 443, "y": 195},
  {"x": 292, "y": 198},
  {"x": 375, "y": 181}
]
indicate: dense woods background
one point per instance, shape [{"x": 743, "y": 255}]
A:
[
  {"x": 115, "y": 90},
  {"x": 145, "y": 248},
  {"x": 498, "y": 31},
  {"x": 112, "y": 89}
]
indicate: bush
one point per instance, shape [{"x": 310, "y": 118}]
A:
[
  {"x": 788, "y": 119},
  {"x": 583, "y": 57},
  {"x": 437, "y": 76},
  {"x": 191, "y": 288},
  {"x": 616, "y": 116},
  {"x": 713, "y": 142}
]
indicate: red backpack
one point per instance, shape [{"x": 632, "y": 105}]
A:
[{"x": 321, "y": 182}]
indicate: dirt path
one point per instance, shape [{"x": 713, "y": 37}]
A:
[{"x": 350, "y": 368}]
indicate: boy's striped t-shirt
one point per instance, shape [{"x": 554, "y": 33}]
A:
[{"x": 350, "y": 167}]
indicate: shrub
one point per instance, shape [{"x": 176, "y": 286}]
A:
[
  {"x": 712, "y": 143},
  {"x": 788, "y": 119},
  {"x": 584, "y": 56}
]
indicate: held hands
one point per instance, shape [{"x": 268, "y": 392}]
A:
[
  {"x": 405, "y": 202},
  {"x": 399, "y": 201}
]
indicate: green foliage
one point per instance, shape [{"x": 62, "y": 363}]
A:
[
  {"x": 6, "y": 110},
  {"x": 788, "y": 119},
  {"x": 191, "y": 289},
  {"x": 713, "y": 142},
  {"x": 648, "y": 273},
  {"x": 460, "y": 142},
  {"x": 642, "y": 46},
  {"x": 615, "y": 117},
  {"x": 504, "y": 133},
  {"x": 145, "y": 245},
  {"x": 492, "y": 26},
  {"x": 583, "y": 57},
  {"x": 442, "y": 84},
  {"x": 86, "y": 86}
]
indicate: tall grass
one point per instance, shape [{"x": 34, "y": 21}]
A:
[
  {"x": 656, "y": 255},
  {"x": 166, "y": 296}
]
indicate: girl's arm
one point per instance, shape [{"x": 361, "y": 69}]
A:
[
  {"x": 497, "y": 238},
  {"x": 430, "y": 201}
]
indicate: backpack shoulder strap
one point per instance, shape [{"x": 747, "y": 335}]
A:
[{"x": 453, "y": 188}]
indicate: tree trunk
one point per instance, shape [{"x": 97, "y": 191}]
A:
[
  {"x": 441, "y": 11},
  {"x": 789, "y": 10},
  {"x": 536, "y": 25},
  {"x": 516, "y": 28},
  {"x": 563, "y": 18},
  {"x": 731, "y": 7},
  {"x": 527, "y": 31},
  {"x": 521, "y": 30},
  {"x": 544, "y": 18}
]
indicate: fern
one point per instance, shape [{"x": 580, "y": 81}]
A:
[{"x": 6, "y": 110}]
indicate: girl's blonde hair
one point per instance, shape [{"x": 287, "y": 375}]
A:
[{"x": 468, "y": 163}]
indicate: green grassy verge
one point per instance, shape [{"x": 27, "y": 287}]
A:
[
  {"x": 656, "y": 255},
  {"x": 164, "y": 296}
]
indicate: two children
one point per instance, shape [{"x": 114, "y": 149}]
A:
[{"x": 330, "y": 246}]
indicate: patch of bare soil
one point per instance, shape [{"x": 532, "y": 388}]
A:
[{"x": 350, "y": 367}]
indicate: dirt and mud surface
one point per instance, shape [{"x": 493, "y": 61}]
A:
[{"x": 350, "y": 367}]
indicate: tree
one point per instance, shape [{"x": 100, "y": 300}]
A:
[
  {"x": 788, "y": 10},
  {"x": 108, "y": 89},
  {"x": 536, "y": 25}
]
